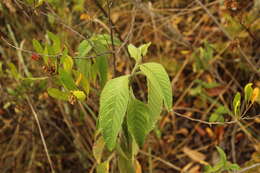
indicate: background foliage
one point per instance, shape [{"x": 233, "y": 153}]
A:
[{"x": 210, "y": 49}]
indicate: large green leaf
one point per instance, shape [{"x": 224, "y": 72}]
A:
[
  {"x": 155, "y": 103},
  {"x": 157, "y": 75},
  {"x": 138, "y": 120},
  {"x": 113, "y": 105}
]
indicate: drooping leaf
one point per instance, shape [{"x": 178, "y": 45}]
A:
[
  {"x": 67, "y": 80},
  {"x": 134, "y": 52},
  {"x": 113, "y": 105},
  {"x": 102, "y": 65},
  {"x": 144, "y": 48},
  {"x": 55, "y": 93},
  {"x": 248, "y": 90},
  {"x": 138, "y": 120},
  {"x": 157, "y": 75}
]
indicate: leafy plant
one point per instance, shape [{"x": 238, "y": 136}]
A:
[
  {"x": 222, "y": 165},
  {"x": 125, "y": 121}
]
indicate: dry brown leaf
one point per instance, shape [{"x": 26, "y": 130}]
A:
[{"x": 195, "y": 155}]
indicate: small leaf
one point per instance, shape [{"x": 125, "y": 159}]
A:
[
  {"x": 67, "y": 63},
  {"x": 236, "y": 103},
  {"x": 222, "y": 154},
  {"x": 13, "y": 71},
  {"x": 134, "y": 52},
  {"x": 80, "y": 95},
  {"x": 55, "y": 93},
  {"x": 144, "y": 48},
  {"x": 84, "y": 48},
  {"x": 67, "y": 80},
  {"x": 56, "y": 46},
  {"x": 215, "y": 117},
  {"x": 255, "y": 95},
  {"x": 138, "y": 120},
  {"x": 248, "y": 90},
  {"x": 37, "y": 46},
  {"x": 113, "y": 105}
]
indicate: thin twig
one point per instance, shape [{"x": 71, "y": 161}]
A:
[
  {"x": 161, "y": 160},
  {"x": 248, "y": 168},
  {"x": 41, "y": 134}
]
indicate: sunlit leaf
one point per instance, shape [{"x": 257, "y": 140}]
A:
[
  {"x": 236, "y": 103},
  {"x": 113, "y": 105},
  {"x": 157, "y": 75},
  {"x": 134, "y": 52},
  {"x": 144, "y": 48},
  {"x": 80, "y": 95},
  {"x": 248, "y": 90}
]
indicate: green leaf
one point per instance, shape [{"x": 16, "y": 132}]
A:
[
  {"x": 37, "y": 46},
  {"x": 248, "y": 90},
  {"x": 144, "y": 48},
  {"x": 221, "y": 110},
  {"x": 236, "y": 103},
  {"x": 222, "y": 154},
  {"x": 56, "y": 43},
  {"x": 67, "y": 80},
  {"x": 134, "y": 52},
  {"x": 84, "y": 48},
  {"x": 138, "y": 120},
  {"x": 105, "y": 39},
  {"x": 67, "y": 63},
  {"x": 13, "y": 71},
  {"x": 233, "y": 167},
  {"x": 55, "y": 93},
  {"x": 158, "y": 77},
  {"x": 113, "y": 105},
  {"x": 80, "y": 95},
  {"x": 155, "y": 103},
  {"x": 102, "y": 65},
  {"x": 215, "y": 117}
]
